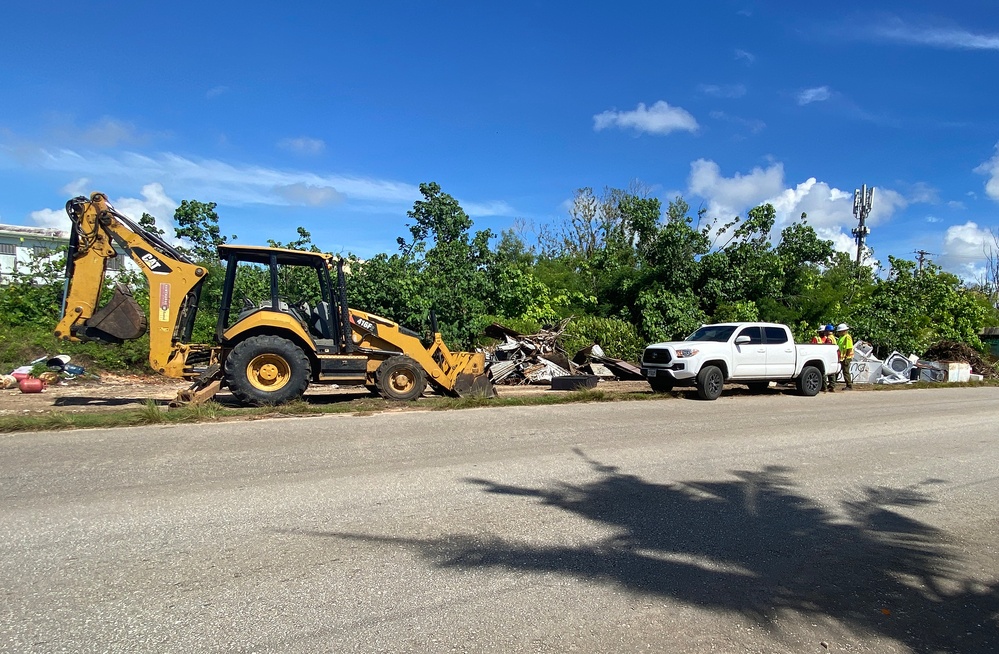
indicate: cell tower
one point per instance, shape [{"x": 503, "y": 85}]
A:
[{"x": 863, "y": 199}]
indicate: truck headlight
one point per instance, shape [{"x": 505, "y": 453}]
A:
[{"x": 686, "y": 352}]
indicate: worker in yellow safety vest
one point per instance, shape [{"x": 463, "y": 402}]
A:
[
  {"x": 825, "y": 337},
  {"x": 845, "y": 343}
]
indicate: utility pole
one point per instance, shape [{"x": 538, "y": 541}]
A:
[
  {"x": 863, "y": 199},
  {"x": 922, "y": 255}
]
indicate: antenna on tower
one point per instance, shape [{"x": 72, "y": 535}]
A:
[{"x": 863, "y": 199}]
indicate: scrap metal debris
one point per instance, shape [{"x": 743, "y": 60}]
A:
[
  {"x": 606, "y": 367},
  {"x": 948, "y": 361},
  {"x": 539, "y": 358},
  {"x": 527, "y": 358}
]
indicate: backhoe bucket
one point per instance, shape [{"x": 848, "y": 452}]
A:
[
  {"x": 469, "y": 385},
  {"x": 121, "y": 318}
]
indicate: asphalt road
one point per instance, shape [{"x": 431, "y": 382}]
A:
[{"x": 862, "y": 522}]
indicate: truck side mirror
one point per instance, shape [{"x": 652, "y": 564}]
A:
[{"x": 742, "y": 340}]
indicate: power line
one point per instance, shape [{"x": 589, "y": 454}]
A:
[{"x": 922, "y": 255}]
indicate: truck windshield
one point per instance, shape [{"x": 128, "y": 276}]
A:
[{"x": 720, "y": 333}]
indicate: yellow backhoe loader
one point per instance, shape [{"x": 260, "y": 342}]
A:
[{"x": 270, "y": 348}]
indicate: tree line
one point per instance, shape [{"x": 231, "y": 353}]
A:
[{"x": 629, "y": 270}]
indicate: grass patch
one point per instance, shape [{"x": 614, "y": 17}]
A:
[{"x": 153, "y": 413}]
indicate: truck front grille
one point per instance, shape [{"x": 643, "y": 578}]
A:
[{"x": 653, "y": 355}]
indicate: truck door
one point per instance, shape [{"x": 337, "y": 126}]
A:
[
  {"x": 780, "y": 353},
  {"x": 750, "y": 359}
]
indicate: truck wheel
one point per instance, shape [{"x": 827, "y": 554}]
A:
[
  {"x": 758, "y": 387},
  {"x": 809, "y": 381},
  {"x": 710, "y": 382},
  {"x": 267, "y": 370},
  {"x": 661, "y": 384},
  {"x": 400, "y": 378}
]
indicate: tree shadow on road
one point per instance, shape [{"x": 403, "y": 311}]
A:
[{"x": 756, "y": 546}]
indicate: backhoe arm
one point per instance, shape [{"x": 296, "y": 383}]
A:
[{"x": 174, "y": 287}]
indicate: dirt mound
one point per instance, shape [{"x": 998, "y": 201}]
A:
[{"x": 955, "y": 351}]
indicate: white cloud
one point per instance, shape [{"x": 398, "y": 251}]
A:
[
  {"x": 53, "y": 218},
  {"x": 940, "y": 37},
  {"x": 76, "y": 187},
  {"x": 932, "y": 219},
  {"x": 482, "y": 209},
  {"x": 153, "y": 201},
  {"x": 829, "y": 209},
  {"x": 211, "y": 179},
  {"x": 967, "y": 240},
  {"x": 886, "y": 201},
  {"x": 660, "y": 118},
  {"x": 302, "y": 145},
  {"x": 748, "y": 57},
  {"x": 923, "y": 192},
  {"x": 216, "y": 91},
  {"x": 312, "y": 196},
  {"x": 964, "y": 249},
  {"x": 728, "y": 196},
  {"x": 991, "y": 169},
  {"x": 817, "y": 94},
  {"x": 727, "y": 91}
]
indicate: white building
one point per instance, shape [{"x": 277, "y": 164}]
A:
[{"x": 19, "y": 245}]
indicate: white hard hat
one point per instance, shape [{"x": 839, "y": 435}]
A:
[{"x": 842, "y": 327}]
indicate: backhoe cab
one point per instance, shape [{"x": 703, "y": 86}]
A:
[{"x": 283, "y": 323}]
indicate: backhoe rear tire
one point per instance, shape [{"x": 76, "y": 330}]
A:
[
  {"x": 400, "y": 378},
  {"x": 265, "y": 370}
]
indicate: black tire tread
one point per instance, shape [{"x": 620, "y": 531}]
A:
[
  {"x": 245, "y": 351},
  {"x": 703, "y": 391},
  {"x": 390, "y": 364}
]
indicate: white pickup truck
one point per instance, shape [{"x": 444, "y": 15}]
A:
[{"x": 751, "y": 353}]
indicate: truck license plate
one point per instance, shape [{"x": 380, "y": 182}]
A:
[{"x": 651, "y": 373}]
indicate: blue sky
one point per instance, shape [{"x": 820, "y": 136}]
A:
[{"x": 329, "y": 115}]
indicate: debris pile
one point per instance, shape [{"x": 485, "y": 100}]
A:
[
  {"x": 527, "y": 358},
  {"x": 948, "y": 361},
  {"x": 606, "y": 367},
  {"x": 539, "y": 358},
  {"x": 963, "y": 353},
  {"x": 43, "y": 371}
]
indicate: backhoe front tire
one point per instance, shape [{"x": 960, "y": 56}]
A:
[
  {"x": 400, "y": 378},
  {"x": 265, "y": 370}
]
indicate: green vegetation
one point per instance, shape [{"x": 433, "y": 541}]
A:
[{"x": 627, "y": 269}]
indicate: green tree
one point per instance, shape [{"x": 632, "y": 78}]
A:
[
  {"x": 198, "y": 224},
  {"x": 908, "y": 311},
  {"x": 452, "y": 262},
  {"x": 148, "y": 223}
]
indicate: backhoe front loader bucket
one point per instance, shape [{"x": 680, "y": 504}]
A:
[
  {"x": 470, "y": 385},
  {"x": 121, "y": 319}
]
